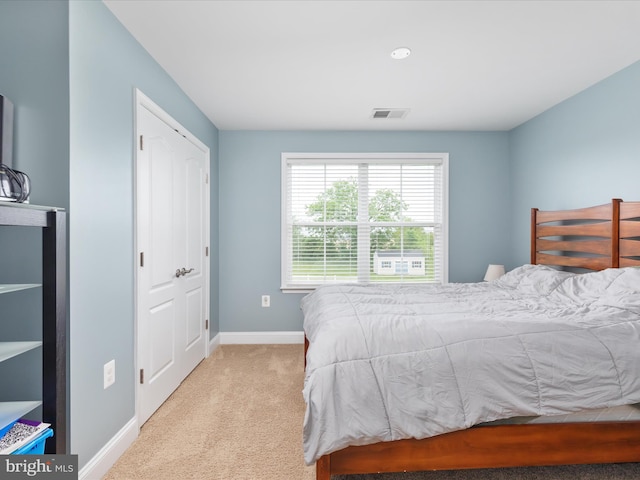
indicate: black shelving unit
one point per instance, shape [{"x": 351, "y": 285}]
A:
[{"x": 55, "y": 391}]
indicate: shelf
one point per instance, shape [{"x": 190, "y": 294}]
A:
[
  {"x": 11, "y": 349},
  {"x": 20, "y": 214},
  {"x": 55, "y": 326},
  {"x": 29, "y": 206},
  {"x": 12, "y": 411},
  {"x": 17, "y": 286}
]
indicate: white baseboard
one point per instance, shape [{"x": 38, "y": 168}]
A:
[
  {"x": 239, "y": 338},
  {"x": 99, "y": 465},
  {"x": 214, "y": 343}
]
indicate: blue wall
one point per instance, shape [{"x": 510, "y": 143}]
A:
[
  {"x": 70, "y": 69},
  {"x": 34, "y": 75},
  {"x": 582, "y": 152},
  {"x": 250, "y": 211},
  {"x": 106, "y": 66}
]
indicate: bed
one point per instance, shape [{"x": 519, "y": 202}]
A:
[{"x": 603, "y": 240}]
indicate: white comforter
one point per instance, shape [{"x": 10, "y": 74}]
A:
[{"x": 390, "y": 362}]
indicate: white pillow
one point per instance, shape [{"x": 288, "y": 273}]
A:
[
  {"x": 624, "y": 291},
  {"x": 585, "y": 288},
  {"x": 534, "y": 279}
]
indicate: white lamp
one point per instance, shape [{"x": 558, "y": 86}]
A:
[{"x": 494, "y": 272}]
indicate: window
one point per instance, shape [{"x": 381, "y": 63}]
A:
[{"x": 347, "y": 217}]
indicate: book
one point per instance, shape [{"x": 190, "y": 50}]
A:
[{"x": 21, "y": 433}]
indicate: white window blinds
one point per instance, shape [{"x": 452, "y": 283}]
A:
[{"x": 363, "y": 218}]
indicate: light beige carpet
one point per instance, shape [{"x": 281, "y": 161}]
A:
[{"x": 238, "y": 416}]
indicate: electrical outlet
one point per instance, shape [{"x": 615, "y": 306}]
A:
[
  {"x": 266, "y": 301},
  {"x": 109, "y": 373}
]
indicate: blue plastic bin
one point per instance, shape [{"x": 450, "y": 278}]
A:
[
  {"x": 7, "y": 428},
  {"x": 35, "y": 446}
]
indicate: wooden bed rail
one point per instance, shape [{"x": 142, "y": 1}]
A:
[{"x": 492, "y": 447}]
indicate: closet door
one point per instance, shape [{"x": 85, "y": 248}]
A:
[{"x": 172, "y": 274}]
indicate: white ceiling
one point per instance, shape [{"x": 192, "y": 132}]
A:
[{"x": 324, "y": 65}]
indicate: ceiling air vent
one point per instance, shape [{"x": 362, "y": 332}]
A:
[{"x": 389, "y": 112}]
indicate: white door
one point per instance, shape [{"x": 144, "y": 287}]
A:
[{"x": 172, "y": 273}]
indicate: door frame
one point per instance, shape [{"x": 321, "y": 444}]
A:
[{"x": 142, "y": 101}]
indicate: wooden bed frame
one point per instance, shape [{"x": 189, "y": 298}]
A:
[{"x": 594, "y": 238}]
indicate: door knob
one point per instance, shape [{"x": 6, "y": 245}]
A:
[{"x": 182, "y": 271}]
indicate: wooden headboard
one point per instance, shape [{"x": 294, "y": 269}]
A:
[
  {"x": 629, "y": 234},
  {"x": 593, "y": 238}
]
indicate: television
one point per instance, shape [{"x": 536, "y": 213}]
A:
[
  {"x": 6, "y": 131},
  {"x": 15, "y": 186}
]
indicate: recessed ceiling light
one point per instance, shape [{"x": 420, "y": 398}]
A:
[{"x": 400, "y": 53}]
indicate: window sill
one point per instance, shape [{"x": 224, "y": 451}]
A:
[{"x": 304, "y": 290}]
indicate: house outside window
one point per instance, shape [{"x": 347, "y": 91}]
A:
[
  {"x": 395, "y": 262},
  {"x": 363, "y": 218}
]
